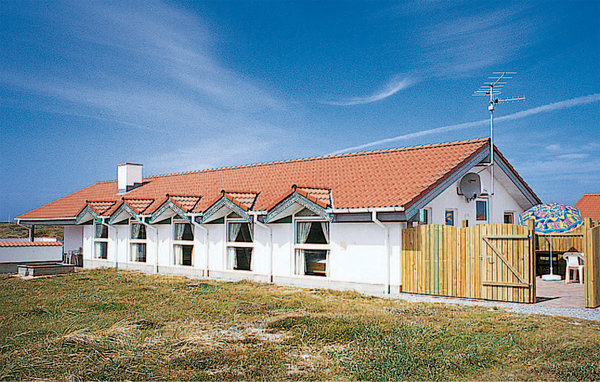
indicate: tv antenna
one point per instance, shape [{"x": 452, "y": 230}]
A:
[{"x": 493, "y": 88}]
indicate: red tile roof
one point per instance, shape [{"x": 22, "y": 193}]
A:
[
  {"x": 384, "y": 178},
  {"x": 321, "y": 196},
  {"x": 29, "y": 243},
  {"x": 186, "y": 203},
  {"x": 589, "y": 206},
  {"x": 245, "y": 200},
  {"x": 140, "y": 206},
  {"x": 101, "y": 207}
]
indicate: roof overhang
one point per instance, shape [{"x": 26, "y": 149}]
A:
[
  {"x": 168, "y": 210},
  {"x": 48, "y": 221},
  {"x": 122, "y": 213},
  {"x": 292, "y": 204},
  {"x": 223, "y": 207},
  {"x": 87, "y": 214},
  {"x": 519, "y": 190},
  {"x": 446, "y": 182}
]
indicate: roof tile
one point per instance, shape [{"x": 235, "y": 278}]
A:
[
  {"x": 589, "y": 206},
  {"x": 384, "y": 178},
  {"x": 29, "y": 243}
]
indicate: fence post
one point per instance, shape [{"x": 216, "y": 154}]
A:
[
  {"x": 465, "y": 223},
  {"x": 532, "y": 260},
  {"x": 590, "y": 265}
]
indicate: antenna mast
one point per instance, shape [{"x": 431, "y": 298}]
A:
[{"x": 492, "y": 89}]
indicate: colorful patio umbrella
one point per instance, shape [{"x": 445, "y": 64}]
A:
[
  {"x": 549, "y": 219},
  {"x": 552, "y": 218}
]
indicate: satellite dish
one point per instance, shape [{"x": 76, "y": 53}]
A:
[{"x": 470, "y": 186}]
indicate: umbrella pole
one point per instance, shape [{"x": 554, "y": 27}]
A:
[{"x": 551, "y": 276}]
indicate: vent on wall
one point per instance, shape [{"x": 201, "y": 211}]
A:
[{"x": 470, "y": 186}]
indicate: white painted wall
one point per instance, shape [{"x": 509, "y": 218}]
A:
[
  {"x": 33, "y": 253},
  {"x": 73, "y": 239},
  {"x": 449, "y": 199},
  {"x": 357, "y": 259}
]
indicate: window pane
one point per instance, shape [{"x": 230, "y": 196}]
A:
[
  {"x": 101, "y": 249},
  {"x": 508, "y": 217},
  {"x": 101, "y": 231},
  {"x": 244, "y": 235},
  {"x": 315, "y": 262},
  {"x": 138, "y": 252},
  {"x": 449, "y": 220},
  {"x": 423, "y": 216},
  {"x": 138, "y": 231},
  {"x": 183, "y": 254},
  {"x": 243, "y": 258},
  {"x": 183, "y": 231},
  {"x": 481, "y": 210},
  {"x": 318, "y": 233}
]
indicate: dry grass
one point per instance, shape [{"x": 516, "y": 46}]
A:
[
  {"x": 12, "y": 230},
  {"x": 116, "y": 325}
]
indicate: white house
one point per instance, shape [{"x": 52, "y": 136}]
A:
[{"x": 332, "y": 221}]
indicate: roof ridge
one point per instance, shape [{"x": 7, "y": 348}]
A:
[{"x": 322, "y": 157}]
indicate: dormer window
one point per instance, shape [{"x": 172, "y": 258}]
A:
[
  {"x": 183, "y": 243},
  {"x": 137, "y": 242},
  {"x": 100, "y": 241},
  {"x": 240, "y": 245},
  {"x": 312, "y": 247}
]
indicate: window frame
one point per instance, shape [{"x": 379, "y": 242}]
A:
[
  {"x": 136, "y": 242},
  {"x": 229, "y": 245},
  {"x": 175, "y": 242},
  {"x": 512, "y": 217},
  {"x": 100, "y": 240},
  {"x": 429, "y": 212},
  {"x": 319, "y": 247},
  {"x": 486, "y": 210},
  {"x": 454, "y": 213}
]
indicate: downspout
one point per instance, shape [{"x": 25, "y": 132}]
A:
[
  {"x": 270, "y": 246},
  {"x": 143, "y": 221},
  {"x": 117, "y": 242},
  {"x": 29, "y": 228},
  {"x": 206, "y": 252},
  {"x": 387, "y": 250}
]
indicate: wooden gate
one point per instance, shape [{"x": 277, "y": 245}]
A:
[{"x": 489, "y": 261}]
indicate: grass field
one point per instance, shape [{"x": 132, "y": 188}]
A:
[
  {"x": 117, "y": 325},
  {"x": 12, "y": 230}
]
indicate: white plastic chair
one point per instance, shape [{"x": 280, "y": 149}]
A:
[{"x": 573, "y": 264}]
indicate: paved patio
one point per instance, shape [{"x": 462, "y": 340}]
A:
[{"x": 557, "y": 294}]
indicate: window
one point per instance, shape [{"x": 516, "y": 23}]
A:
[
  {"x": 240, "y": 238},
  {"x": 424, "y": 215},
  {"x": 481, "y": 210},
  {"x": 100, "y": 241},
  {"x": 138, "y": 242},
  {"x": 449, "y": 217},
  {"x": 509, "y": 217},
  {"x": 312, "y": 248},
  {"x": 183, "y": 243}
]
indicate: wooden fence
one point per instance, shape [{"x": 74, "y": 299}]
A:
[
  {"x": 490, "y": 261},
  {"x": 592, "y": 265}
]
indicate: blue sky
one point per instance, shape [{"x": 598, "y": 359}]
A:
[{"x": 180, "y": 86}]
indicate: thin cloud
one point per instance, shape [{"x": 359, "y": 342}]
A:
[
  {"x": 583, "y": 100},
  {"x": 391, "y": 88},
  {"x": 161, "y": 71}
]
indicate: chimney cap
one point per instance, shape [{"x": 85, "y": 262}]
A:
[{"x": 130, "y": 164}]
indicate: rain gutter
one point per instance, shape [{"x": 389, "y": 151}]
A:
[{"x": 388, "y": 251}]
